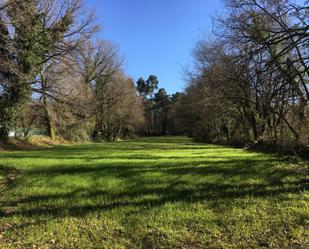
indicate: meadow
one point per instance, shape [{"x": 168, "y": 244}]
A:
[{"x": 159, "y": 192}]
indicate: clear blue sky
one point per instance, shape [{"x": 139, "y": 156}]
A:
[{"x": 156, "y": 36}]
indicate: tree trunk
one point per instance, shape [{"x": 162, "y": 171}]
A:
[
  {"x": 164, "y": 124},
  {"x": 8, "y": 114},
  {"x": 4, "y": 135},
  {"x": 49, "y": 122}
]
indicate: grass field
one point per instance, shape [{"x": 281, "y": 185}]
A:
[{"x": 164, "y": 192}]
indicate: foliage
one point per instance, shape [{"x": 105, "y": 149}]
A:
[
  {"x": 156, "y": 106},
  {"x": 147, "y": 88}
]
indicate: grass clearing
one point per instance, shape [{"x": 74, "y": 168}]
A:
[{"x": 163, "y": 192}]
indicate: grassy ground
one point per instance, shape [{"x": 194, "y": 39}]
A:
[{"x": 152, "y": 193}]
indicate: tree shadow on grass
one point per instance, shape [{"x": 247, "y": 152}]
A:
[
  {"x": 8, "y": 177},
  {"x": 178, "y": 182},
  {"x": 206, "y": 192}
]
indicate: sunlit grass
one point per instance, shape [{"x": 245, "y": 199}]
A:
[{"x": 152, "y": 193}]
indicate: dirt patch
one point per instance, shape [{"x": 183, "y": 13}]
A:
[
  {"x": 31, "y": 143},
  {"x": 18, "y": 144}
]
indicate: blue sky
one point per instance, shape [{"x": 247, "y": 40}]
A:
[{"x": 156, "y": 36}]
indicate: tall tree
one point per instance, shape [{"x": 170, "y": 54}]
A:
[
  {"x": 162, "y": 105},
  {"x": 146, "y": 90},
  {"x": 32, "y": 34}
]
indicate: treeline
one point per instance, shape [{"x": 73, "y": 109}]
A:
[
  {"x": 250, "y": 83},
  {"x": 54, "y": 76}
]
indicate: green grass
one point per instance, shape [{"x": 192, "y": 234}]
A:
[{"x": 164, "y": 192}]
